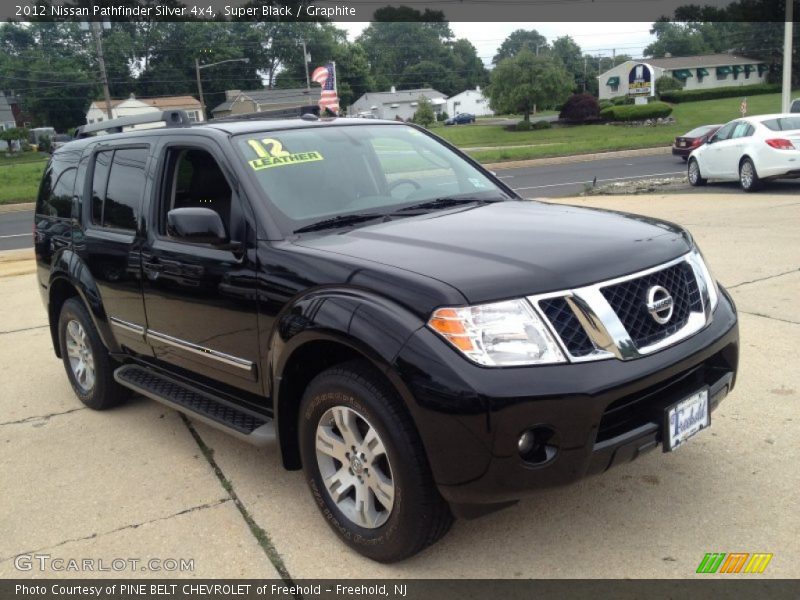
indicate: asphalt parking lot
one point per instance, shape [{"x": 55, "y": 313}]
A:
[{"x": 139, "y": 482}]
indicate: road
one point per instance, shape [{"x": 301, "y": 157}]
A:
[{"x": 532, "y": 182}]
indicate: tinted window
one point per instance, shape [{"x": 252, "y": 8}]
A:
[
  {"x": 313, "y": 174},
  {"x": 100, "y": 180},
  {"x": 125, "y": 186},
  {"x": 56, "y": 189},
  {"x": 783, "y": 123}
]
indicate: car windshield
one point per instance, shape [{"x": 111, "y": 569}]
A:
[
  {"x": 319, "y": 173},
  {"x": 783, "y": 123},
  {"x": 700, "y": 131}
]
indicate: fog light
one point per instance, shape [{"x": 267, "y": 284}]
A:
[{"x": 525, "y": 443}]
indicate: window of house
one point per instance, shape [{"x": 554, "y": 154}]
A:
[
  {"x": 615, "y": 88},
  {"x": 117, "y": 185},
  {"x": 193, "y": 115}
]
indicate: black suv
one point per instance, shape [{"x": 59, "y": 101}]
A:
[{"x": 416, "y": 337}]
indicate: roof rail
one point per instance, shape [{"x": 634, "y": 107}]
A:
[{"x": 171, "y": 118}]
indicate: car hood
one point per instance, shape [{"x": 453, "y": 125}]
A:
[{"x": 513, "y": 248}]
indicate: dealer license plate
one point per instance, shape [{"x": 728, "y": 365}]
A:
[{"x": 686, "y": 418}]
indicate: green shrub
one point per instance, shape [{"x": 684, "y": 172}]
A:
[
  {"x": 666, "y": 84},
  {"x": 622, "y": 100},
  {"x": 524, "y": 126},
  {"x": 636, "y": 112},
  {"x": 541, "y": 125},
  {"x": 604, "y": 104},
  {"x": 724, "y": 92}
]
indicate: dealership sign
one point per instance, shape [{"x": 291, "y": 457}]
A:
[{"x": 640, "y": 80}]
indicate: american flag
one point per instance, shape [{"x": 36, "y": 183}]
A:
[{"x": 326, "y": 77}]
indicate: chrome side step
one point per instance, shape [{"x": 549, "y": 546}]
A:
[{"x": 251, "y": 427}]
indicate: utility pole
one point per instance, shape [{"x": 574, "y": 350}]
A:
[
  {"x": 585, "y": 58},
  {"x": 200, "y": 88},
  {"x": 97, "y": 33},
  {"x": 786, "y": 99},
  {"x": 613, "y": 57},
  {"x": 305, "y": 64}
]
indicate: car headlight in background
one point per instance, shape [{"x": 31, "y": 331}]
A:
[
  {"x": 499, "y": 334},
  {"x": 702, "y": 270}
]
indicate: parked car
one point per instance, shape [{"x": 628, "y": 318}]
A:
[
  {"x": 751, "y": 150},
  {"x": 59, "y": 140},
  {"x": 460, "y": 119},
  {"x": 795, "y": 108},
  {"x": 420, "y": 340},
  {"x": 684, "y": 144}
]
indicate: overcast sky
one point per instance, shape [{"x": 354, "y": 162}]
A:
[{"x": 626, "y": 38}]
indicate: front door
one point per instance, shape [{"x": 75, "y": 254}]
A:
[
  {"x": 717, "y": 153},
  {"x": 199, "y": 298}
]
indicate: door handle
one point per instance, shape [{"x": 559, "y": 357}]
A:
[{"x": 152, "y": 268}]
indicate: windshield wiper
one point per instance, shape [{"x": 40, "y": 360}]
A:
[
  {"x": 340, "y": 221},
  {"x": 446, "y": 202}
]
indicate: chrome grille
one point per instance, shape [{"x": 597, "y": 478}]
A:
[{"x": 629, "y": 301}]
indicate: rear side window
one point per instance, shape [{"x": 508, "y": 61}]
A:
[
  {"x": 117, "y": 186},
  {"x": 783, "y": 123},
  {"x": 56, "y": 189}
]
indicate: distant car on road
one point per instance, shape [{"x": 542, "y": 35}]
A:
[
  {"x": 795, "y": 108},
  {"x": 460, "y": 119},
  {"x": 59, "y": 140},
  {"x": 684, "y": 144},
  {"x": 752, "y": 150}
]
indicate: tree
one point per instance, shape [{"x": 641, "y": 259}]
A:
[
  {"x": 665, "y": 83},
  {"x": 579, "y": 108},
  {"x": 424, "y": 115},
  {"x": 14, "y": 134},
  {"x": 517, "y": 40},
  {"x": 521, "y": 83},
  {"x": 569, "y": 53}
]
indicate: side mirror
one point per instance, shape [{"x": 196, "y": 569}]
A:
[{"x": 196, "y": 225}]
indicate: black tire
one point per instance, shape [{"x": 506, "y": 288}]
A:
[
  {"x": 104, "y": 392},
  {"x": 685, "y": 158},
  {"x": 748, "y": 176},
  {"x": 419, "y": 516},
  {"x": 693, "y": 174}
]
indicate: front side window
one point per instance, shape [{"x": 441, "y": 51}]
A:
[
  {"x": 725, "y": 133},
  {"x": 323, "y": 172}
]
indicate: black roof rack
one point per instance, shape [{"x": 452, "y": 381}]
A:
[{"x": 170, "y": 118}]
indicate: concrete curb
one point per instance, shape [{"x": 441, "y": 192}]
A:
[
  {"x": 21, "y": 207},
  {"x": 576, "y": 158},
  {"x": 17, "y": 262}
]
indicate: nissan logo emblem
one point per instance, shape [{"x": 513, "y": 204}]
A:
[{"x": 660, "y": 304}]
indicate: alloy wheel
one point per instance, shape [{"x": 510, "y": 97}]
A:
[
  {"x": 746, "y": 174},
  {"x": 354, "y": 466},
  {"x": 694, "y": 172},
  {"x": 81, "y": 359}
]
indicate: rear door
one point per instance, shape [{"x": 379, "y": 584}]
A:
[
  {"x": 108, "y": 236},
  {"x": 201, "y": 299}
]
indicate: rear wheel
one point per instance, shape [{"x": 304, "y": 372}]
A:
[
  {"x": 748, "y": 177},
  {"x": 89, "y": 367},
  {"x": 366, "y": 467},
  {"x": 693, "y": 174}
]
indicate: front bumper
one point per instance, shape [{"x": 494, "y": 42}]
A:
[{"x": 600, "y": 414}]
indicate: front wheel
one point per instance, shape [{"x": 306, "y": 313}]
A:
[
  {"x": 366, "y": 467},
  {"x": 748, "y": 176},
  {"x": 695, "y": 179}
]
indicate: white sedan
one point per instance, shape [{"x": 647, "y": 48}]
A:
[{"x": 750, "y": 150}]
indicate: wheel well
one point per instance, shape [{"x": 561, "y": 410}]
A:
[
  {"x": 305, "y": 363},
  {"x": 741, "y": 160},
  {"x": 60, "y": 291}
]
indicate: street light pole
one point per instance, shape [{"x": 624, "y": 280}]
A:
[
  {"x": 198, "y": 66},
  {"x": 97, "y": 33},
  {"x": 786, "y": 98},
  {"x": 305, "y": 64},
  {"x": 200, "y": 89}
]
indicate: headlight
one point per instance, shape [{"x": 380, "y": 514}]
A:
[
  {"x": 500, "y": 334},
  {"x": 711, "y": 283}
]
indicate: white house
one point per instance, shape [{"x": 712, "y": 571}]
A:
[
  {"x": 395, "y": 103},
  {"x": 469, "y": 101},
  {"x": 136, "y": 106},
  {"x": 6, "y": 118},
  {"x": 693, "y": 72}
]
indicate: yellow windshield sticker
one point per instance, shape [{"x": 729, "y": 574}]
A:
[{"x": 270, "y": 153}]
